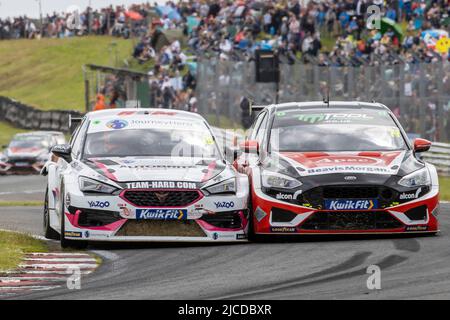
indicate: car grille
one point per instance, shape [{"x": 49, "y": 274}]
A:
[
  {"x": 161, "y": 198},
  {"x": 227, "y": 220},
  {"x": 364, "y": 220},
  {"x": 315, "y": 197},
  {"x": 152, "y": 228}
]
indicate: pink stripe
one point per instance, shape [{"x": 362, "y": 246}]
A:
[
  {"x": 108, "y": 174},
  {"x": 209, "y": 173}
]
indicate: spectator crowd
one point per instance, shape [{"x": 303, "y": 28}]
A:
[{"x": 322, "y": 32}]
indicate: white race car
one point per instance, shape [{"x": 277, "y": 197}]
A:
[{"x": 143, "y": 175}]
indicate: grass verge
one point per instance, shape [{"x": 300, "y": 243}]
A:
[
  {"x": 14, "y": 245},
  {"x": 47, "y": 73},
  {"x": 21, "y": 204}
]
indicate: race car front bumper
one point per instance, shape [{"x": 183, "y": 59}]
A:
[
  {"x": 114, "y": 218},
  {"x": 273, "y": 216},
  {"x": 21, "y": 167}
]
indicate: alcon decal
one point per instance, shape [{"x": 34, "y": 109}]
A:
[{"x": 410, "y": 196}]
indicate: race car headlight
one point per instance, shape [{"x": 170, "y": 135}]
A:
[
  {"x": 418, "y": 178},
  {"x": 91, "y": 185},
  {"x": 226, "y": 186},
  {"x": 277, "y": 180}
]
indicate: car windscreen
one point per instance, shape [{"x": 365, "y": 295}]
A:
[
  {"x": 335, "y": 130},
  {"x": 151, "y": 143},
  {"x": 29, "y": 142}
]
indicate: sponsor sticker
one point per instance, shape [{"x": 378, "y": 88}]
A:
[
  {"x": 241, "y": 236},
  {"x": 73, "y": 234},
  {"x": 283, "y": 229},
  {"x": 161, "y": 185},
  {"x": 410, "y": 195},
  {"x": 416, "y": 228},
  {"x": 117, "y": 124},
  {"x": 161, "y": 214},
  {"x": 351, "y": 204},
  {"x": 99, "y": 204},
  {"x": 224, "y": 204},
  {"x": 284, "y": 196}
]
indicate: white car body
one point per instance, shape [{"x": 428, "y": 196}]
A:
[{"x": 152, "y": 193}]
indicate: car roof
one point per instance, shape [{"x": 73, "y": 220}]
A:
[
  {"x": 169, "y": 113},
  {"x": 327, "y": 105}
]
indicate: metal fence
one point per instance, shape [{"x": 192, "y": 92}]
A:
[
  {"x": 419, "y": 94},
  {"x": 439, "y": 155}
]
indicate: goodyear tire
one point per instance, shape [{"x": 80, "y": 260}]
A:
[{"x": 65, "y": 243}]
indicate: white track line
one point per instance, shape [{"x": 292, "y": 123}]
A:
[
  {"x": 58, "y": 254},
  {"x": 27, "y": 279},
  {"x": 33, "y": 288},
  {"x": 58, "y": 266},
  {"x": 35, "y": 272}
]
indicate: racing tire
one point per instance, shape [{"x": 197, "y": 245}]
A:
[
  {"x": 65, "y": 243},
  {"x": 252, "y": 236},
  {"x": 49, "y": 233}
]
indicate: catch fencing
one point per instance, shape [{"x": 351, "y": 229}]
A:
[
  {"x": 439, "y": 155},
  {"x": 419, "y": 94}
]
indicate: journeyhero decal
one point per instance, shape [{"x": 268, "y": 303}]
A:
[{"x": 161, "y": 185}]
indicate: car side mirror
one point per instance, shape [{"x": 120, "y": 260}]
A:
[
  {"x": 249, "y": 146},
  {"x": 63, "y": 151},
  {"x": 421, "y": 145}
]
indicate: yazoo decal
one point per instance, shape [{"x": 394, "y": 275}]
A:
[
  {"x": 225, "y": 204},
  {"x": 99, "y": 204},
  {"x": 161, "y": 214},
  {"x": 351, "y": 204}
]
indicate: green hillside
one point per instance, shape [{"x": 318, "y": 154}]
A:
[{"x": 47, "y": 73}]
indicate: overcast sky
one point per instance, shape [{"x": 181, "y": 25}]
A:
[{"x": 12, "y": 8}]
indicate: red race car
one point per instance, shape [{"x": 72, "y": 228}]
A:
[{"x": 336, "y": 168}]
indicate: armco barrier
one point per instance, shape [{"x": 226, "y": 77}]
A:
[
  {"x": 26, "y": 117},
  {"x": 439, "y": 155}
]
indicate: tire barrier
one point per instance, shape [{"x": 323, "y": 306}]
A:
[{"x": 26, "y": 117}]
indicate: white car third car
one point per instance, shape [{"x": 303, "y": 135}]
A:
[{"x": 143, "y": 175}]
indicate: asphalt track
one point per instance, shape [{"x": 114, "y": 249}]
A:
[{"x": 311, "y": 268}]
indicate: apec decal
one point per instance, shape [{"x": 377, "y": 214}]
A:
[
  {"x": 161, "y": 185},
  {"x": 161, "y": 214},
  {"x": 351, "y": 204},
  {"x": 99, "y": 204}
]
